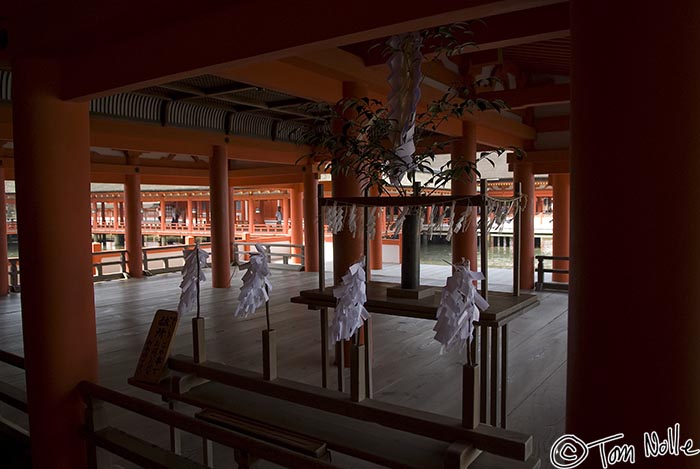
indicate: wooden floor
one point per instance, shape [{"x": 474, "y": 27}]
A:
[{"x": 408, "y": 367}]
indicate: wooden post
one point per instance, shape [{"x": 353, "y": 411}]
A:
[
  {"x": 517, "y": 236},
  {"x": 347, "y": 249},
  {"x": 297, "y": 214},
  {"x": 560, "y": 230},
  {"x": 311, "y": 237},
  {"x": 410, "y": 253},
  {"x": 376, "y": 259},
  {"x": 199, "y": 344},
  {"x": 220, "y": 234},
  {"x": 463, "y": 153},
  {"x": 470, "y": 396},
  {"x": 523, "y": 175},
  {"x": 4, "y": 274},
  {"x": 132, "y": 204},
  {"x": 269, "y": 338},
  {"x": 358, "y": 388},
  {"x": 52, "y": 169}
]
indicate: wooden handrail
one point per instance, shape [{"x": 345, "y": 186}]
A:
[{"x": 276, "y": 454}]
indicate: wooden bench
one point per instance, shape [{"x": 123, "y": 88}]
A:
[
  {"x": 374, "y": 431},
  {"x": 263, "y": 431}
]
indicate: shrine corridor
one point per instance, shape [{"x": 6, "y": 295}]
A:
[{"x": 408, "y": 368}]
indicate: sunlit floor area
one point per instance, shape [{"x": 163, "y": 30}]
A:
[{"x": 408, "y": 368}]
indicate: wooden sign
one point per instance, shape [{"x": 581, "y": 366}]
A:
[{"x": 156, "y": 350}]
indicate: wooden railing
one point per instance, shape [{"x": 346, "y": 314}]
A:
[
  {"x": 541, "y": 284},
  {"x": 159, "y": 254},
  {"x": 143, "y": 453},
  {"x": 15, "y": 436},
  {"x": 110, "y": 265},
  {"x": 240, "y": 256}
]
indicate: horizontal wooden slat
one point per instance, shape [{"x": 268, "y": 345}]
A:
[
  {"x": 13, "y": 396},
  {"x": 139, "y": 451}
]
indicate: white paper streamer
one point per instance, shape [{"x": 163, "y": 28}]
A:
[
  {"x": 459, "y": 308},
  {"x": 460, "y": 222},
  {"x": 350, "y": 309},
  {"x": 398, "y": 224},
  {"x": 191, "y": 275},
  {"x": 334, "y": 218},
  {"x": 256, "y": 285},
  {"x": 450, "y": 227},
  {"x": 372, "y": 222},
  {"x": 352, "y": 220}
]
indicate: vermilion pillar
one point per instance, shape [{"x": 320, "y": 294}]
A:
[
  {"x": 311, "y": 241},
  {"x": 297, "y": 212},
  {"x": 132, "y": 222},
  {"x": 376, "y": 259},
  {"x": 561, "y": 222},
  {"x": 52, "y": 168},
  {"x": 346, "y": 249},
  {"x": 285, "y": 213},
  {"x": 188, "y": 215},
  {"x": 4, "y": 280},
  {"x": 633, "y": 349},
  {"x": 463, "y": 152},
  {"x": 522, "y": 173},
  {"x": 220, "y": 233}
]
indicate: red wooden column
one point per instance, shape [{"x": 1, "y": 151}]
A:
[
  {"x": 297, "y": 212},
  {"x": 4, "y": 279},
  {"x": 188, "y": 215},
  {"x": 522, "y": 173},
  {"x": 464, "y": 151},
  {"x": 561, "y": 222},
  {"x": 633, "y": 321},
  {"x": 311, "y": 241},
  {"x": 286, "y": 201},
  {"x": 376, "y": 259},
  {"x": 218, "y": 206},
  {"x": 132, "y": 205},
  {"x": 346, "y": 249},
  {"x": 52, "y": 169}
]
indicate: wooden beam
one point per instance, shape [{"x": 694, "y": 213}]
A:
[
  {"x": 544, "y": 161},
  {"x": 163, "y": 53},
  {"x": 552, "y": 124},
  {"x": 492, "y": 32},
  {"x": 531, "y": 96}
]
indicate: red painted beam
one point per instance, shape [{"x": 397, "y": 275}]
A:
[
  {"x": 531, "y": 96},
  {"x": 171, "y": 50}
]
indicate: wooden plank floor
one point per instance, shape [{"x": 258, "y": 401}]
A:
[{"x": 408, "y": 368}]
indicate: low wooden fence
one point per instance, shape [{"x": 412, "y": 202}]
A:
[
  {"x": 283, "y": 251},
  {"x": 541, "y": 284}
]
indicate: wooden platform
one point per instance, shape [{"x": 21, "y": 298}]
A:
[{"x": 408, "y": 368}]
